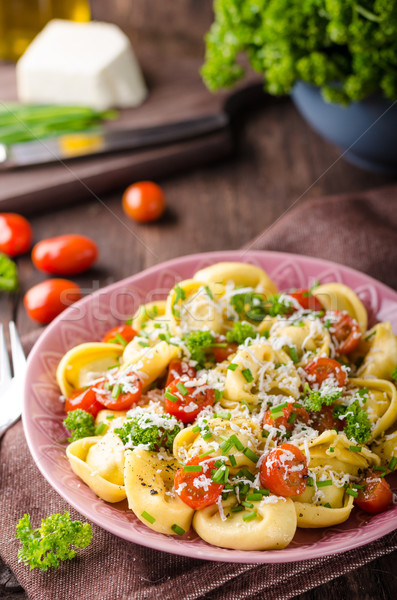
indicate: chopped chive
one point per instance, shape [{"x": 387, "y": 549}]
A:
[
  {"x": 245, "y": 473},
  {"x": 207, "y": 436},
  {"x": 182, "y": 388},
  {"x": 219, "y": 345},
  {"x": 355, "y": 448},
  {"x": 251, "y": 455},
  {"x": 293, "y": 354},
  {"x": 236, "y": 442},
  {"x": 155, "y": 311},
  {"x": 381, "y": 470},
  {"x": 193, "y": 468},
  {"x": 370, "y": 336},
  {"x": 120, "y": 339},
  {"x": 116, "y": 391},
  {"x": 247, "y": 375},
  {"x": 157, "y": 325},
  {"x": 327, "y": 505},
  {"x": 226, "y": 475},
  {"x": 225, "y": 447},
  {"x": 129, "y": 321},
  {"x": 209, "y": 293},
  {"x": 217, "y": 477},
  {"x": 171, "y": 397},
  {"x": 223, "y": 415},
  {"x": 207, "y": 453},
  {"x": 143, "y": 344},
  {"x": 100, "y": 429},
  {"x": 218, "y": 464},
  {"x": 325, "y": 483},
  {"x": 292, "y": 418},
  {"x": 232, "y": 366},
  {"x": 297, "y": 405},
  {"x": 232, "y": 460},
  {"x": 356, "y": 486},
  {"x": 255, "y": 497},
  {"x": 393, "y": 463},
  {"x": 237, "y": 508},
  {"x": 178, "y": 530},
  {"x": 277, "y": 415},
  {"x": 250, "y": 516},
  {"x": 107, "y": 385},
  {"x": 113, "y": 367},
  {"x": 247, "y": 504},
  {"x": 279, "y": 407},
  {"x": 148, "y": 517},
  {"x": 245, "y": 404},
  {"x": 110, "y": 417},
  {"x": 331, "y": 449},
  {"x": 310, "y": 481},
  {"x": 223, "y": 437},
  {"x": 264, "y": 492},
  {"x": 196, "y": 429},
  {"x": 351, "y": 492},
  {"x": 265, "y": 433}
]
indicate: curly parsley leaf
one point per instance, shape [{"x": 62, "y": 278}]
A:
[
  {"x": 198, "y": 343},
  {"x": 316, "y": 399},
  {"x": 9, "y": 281},
  {"x": 153, "y": 431},
  {"x": 240, "y": 332},
  {"x": 255, "y": 307},
  {"x": 358, "y": 425},
  {"x": 80, "y": 423},
  {"x": 56, "y": 540}
]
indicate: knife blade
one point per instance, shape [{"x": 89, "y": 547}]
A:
[{"x": 65, "y": 147}]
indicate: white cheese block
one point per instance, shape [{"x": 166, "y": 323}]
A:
[{"x": 88, "y": 64}]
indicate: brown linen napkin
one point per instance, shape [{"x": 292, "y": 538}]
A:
[{"x": 359, "y": 230}]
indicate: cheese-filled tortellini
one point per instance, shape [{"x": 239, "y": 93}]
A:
[
  {"x": 149, "y": 487},
  {"x": 238, "y": 412}
]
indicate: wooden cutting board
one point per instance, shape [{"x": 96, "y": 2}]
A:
[{"x": 176, "y": 93}]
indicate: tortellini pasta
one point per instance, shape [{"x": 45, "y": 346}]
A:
[{"x": 195, "y": 418}]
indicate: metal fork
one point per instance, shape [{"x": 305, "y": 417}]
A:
[{"x": 11, "y": 388}]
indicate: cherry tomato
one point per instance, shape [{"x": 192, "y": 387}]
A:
[
  {"x": 65, "y": 254},
  {"x": 15, "y": 234},
  {"x": 187, "y": 402},
  {"x": 144, "y": 201},
  {"x": 376, "y": 495},
  {"x": 86, "y": 399},
  {"x": 345, "y": 333},
  {"x": 222, "y": 353},
  {"x": 46, "y": 300},
  {"x": 322, "y": 368},
  {"x": 284, "y": 471},
  {"x": 177, "y": 368},
  {"x": 324, "y": 420},
  {"x": 306, "y": 299},
  {"x": 291, "y": 414},
  {"x": 125, "y": 331},
  {"x": 123, "y": 400},
  {"x": 197, "y": 496}
]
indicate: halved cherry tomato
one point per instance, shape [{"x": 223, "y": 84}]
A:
[
  {"x": 65, "y": 254},
  {"x": 15, "y": 234},
  {"x": 376, "y": 496},
  {"x": 291, "y": 414},
  {"x": 125, "y": 331},
  {"x": 324, "y": 420},
  {"x": 322, "y": 368},
  {"x": 345, "y": 333},
  {"x": 121, "y": 400},
  {"x": 185, "y": 403},
  {"x": 144, "y": 201},
  {"x": 223, "y": 352},
  {"x": 197, "y": 496},
  {"x": 46, "y": 300},
  {"x": 86, "y": 399},
  {"x": 177, "y": 368},
  {"x": 284, "y": 471},
  {"x": 306, "y": 299}
]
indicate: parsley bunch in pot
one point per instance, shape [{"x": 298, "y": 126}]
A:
[{"x": 337, "y": 58}]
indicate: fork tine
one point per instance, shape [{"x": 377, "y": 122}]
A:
[
  {"x": 5, "y": 370},
  {"x": 18, "y": 356}
]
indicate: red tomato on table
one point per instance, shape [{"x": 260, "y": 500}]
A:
[
  {"x": 86, "y": 399},
  {"x": 345, "y": 332},
  {"x": 46, "y": 300},
  {"x": 306, "y": 299},
  {"x": 284, "y": 471},
  {"x": 376, "y": 495},
  {"x": 197, "y": 496},
  {"x": 15, "y": 234},
  {"x": 322, "y": 368},
  {"x": 144, "y": 201},
  {"x": 185, "y": 403},
  {"x": 65, "y": 254},
  {"x": 125, "y": 331}
]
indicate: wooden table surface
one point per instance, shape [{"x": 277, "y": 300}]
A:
[{"x": 217, "y": 207}]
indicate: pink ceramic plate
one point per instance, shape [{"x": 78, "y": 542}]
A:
[{"x": 90, "y": 318}]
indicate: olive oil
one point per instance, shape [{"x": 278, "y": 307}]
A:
[{"x": 22, "y": 20}]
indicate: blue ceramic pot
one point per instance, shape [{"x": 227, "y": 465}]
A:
[{"x": 365, "y": 132}]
